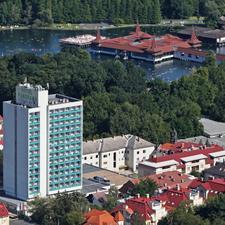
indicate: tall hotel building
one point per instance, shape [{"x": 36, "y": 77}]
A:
[{"x": 42, "y": 143}]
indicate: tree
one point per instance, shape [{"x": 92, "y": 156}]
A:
[
  {"x": 144, "y": 187},
  {"x": 74, "y": 218},
  {"x": 137, "y": 219},
  {"x": 64, "y": 209},
  {"x": 182, "y": 215},
  {"x": 210, "y": 59},
  {"x": 111, "y": 199}
]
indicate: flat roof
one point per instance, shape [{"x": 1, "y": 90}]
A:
[
  {"x": 159, "y": 164},
  {"x": 217, "y": 154},
  {"x": 90, "y": 187},
  {"x": 212, "y": 128},
  {"x": 89, "y": 171},
  {"x": 54, "y": 99},
  {"x": 194, "y": 157}
]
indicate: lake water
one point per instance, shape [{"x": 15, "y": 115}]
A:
[{"x": 47, "y": 41}]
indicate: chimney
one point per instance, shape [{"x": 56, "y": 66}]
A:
[
  {"x": 138, "y": 195},
  {"x": 147, "y": 195},
  {"x": 178, "y": 187}
]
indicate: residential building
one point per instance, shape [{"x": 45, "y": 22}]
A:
[
  {"x": 213, "y": 128},
  {"x": 146, "y": 209},
  {"x": 171, "y": 157},
  {"x": 42, "y": 143},
  {"x": 116, "y": 153},
  {"x": 164, "y": 181},
  {"x": 217, "y": 171},
  {"x": 4, "y": 215},
  {"x": 208, "y": 188},
  {"x": 153, "y": 209},
  {"x": 102, "y": 217}
]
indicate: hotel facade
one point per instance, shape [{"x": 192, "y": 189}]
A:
[{"x": 42, "y": 143}]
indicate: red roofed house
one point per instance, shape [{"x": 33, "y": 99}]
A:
[
  {"x": 208, "y": 188},
  {"x": 102, "y": 217},
  {"x": 4, "y": 215},
  {"x": 151, "y": 210},
  {"x": 183, "y": 157},
  {"x": 165, "y": 181},
  {"x": 141, "y": 45}
]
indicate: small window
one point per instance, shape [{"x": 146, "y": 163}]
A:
[
  {"x": 96, "y": 156},
  {"x": 104, "y": 156},
  {"x": 85, "y": 158},
  {"x": 144, "y": 151},
  {"x": 138, "y": 152}
]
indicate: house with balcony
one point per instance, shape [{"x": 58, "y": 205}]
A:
[{"x": 183, "y": 157}]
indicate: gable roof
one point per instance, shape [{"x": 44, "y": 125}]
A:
[
  {"x": 217, "y": 170},
  {"x": 178, "y": 156},
  {"x": 98, "y": 217},
  {"x": 216, "y": 185},
  {"x": 173, "y": 197},
  {"x": 115, "y": 143}
]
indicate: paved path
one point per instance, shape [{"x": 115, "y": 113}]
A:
[{"x": 19, "y": 222}]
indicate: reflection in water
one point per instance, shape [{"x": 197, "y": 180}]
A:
[{"x": 46, "y": 41}]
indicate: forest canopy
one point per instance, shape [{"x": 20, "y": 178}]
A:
[
  {"x": 117, "y": 98},
  {"x": 44, "y": 12}
]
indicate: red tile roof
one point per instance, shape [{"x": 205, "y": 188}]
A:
[
  {"x": 179, "y": 146},
  {"x": 167, "y": 179},
  {"x": 192, "y": 51},
  {"x": 98, "y": 217},
  {"x": 194, "y": 40},
  {"x": 98, "y": 38},
  {"x": 173, "y": 198},
  {"x": 141, "y": 42},
  {"x": 119, "y": 217},
  {"x": 139, "y": 205},
  {"x": 216, "y": 185},
  {"x": 177, "y": 156},
  {"x": 170, "y": 199},
  {"x": 3, "y": 211}
]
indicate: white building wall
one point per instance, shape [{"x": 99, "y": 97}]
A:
[
  {"x": 16, "y": 139},
  {"x": 219, "y": 159},
  {"x": 187, "y": 57},
  {"x": 108, "y": 161},
  {"x": 62, "y": 106},
  {"x": 201, "y": 164},
  {"x": 9, "y": 149},
  {"x": 92, "y": 159},
  {"x": 138, "y": 155},
  {"x": 22, "y": 153}
]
